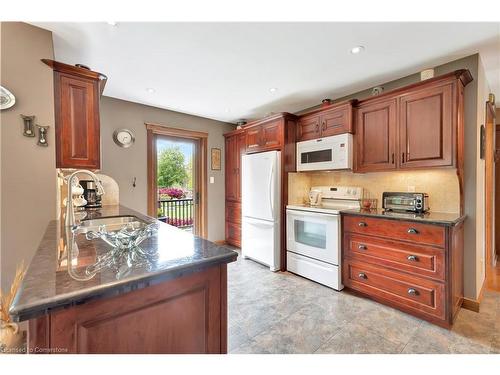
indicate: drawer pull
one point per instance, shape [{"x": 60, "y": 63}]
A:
[
  {"x": 362, "y": 275},
  {"x": 412, "y": 231},
  {"x": 412, "y": 258},
  {"x": 412, "y": 292},
  {"x": 362, "y": 247},
  {"x": 362, "y": 224}
]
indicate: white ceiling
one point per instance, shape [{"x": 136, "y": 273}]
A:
[{"x": 224, "y": 70}]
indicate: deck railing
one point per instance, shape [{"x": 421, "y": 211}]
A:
[{"x": 176, "y": 212}]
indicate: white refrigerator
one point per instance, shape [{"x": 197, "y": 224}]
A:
[{"x": 260, "y": 208}]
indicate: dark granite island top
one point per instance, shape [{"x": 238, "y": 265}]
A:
[
  {"x": 436, "y": 218},
  {"x": 56, "y": 279}
]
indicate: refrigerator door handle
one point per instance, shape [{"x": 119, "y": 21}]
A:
[
  {"x": 271, "y": 192},
  {"x": 259, "y": 223}
]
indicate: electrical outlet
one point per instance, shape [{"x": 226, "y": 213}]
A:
[
  {"x": 411, "y": 189},
  {"x": 212, "y": 179}
]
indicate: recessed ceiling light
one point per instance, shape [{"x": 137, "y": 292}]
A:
[
  {"x": 273, "y": 89},
  {"x": 111, "y": 23},
  {"x": 150, "y": 90},
  {"x": 357, "y": 49}
]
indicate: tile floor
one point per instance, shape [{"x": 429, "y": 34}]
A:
[{"x": 284, "y": 313}]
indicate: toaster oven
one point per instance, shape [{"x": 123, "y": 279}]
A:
[{"x": 412, "y": 202}]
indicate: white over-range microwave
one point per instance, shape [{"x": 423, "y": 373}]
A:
[{"x": 327, "y": 153}]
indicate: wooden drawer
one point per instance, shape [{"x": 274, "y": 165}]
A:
[
  {"x": 233, "y": 212},
  {"x": 396, "y": 229},
  {"x": 415, "y": 259},
  {"x": 418, "y": 295}
]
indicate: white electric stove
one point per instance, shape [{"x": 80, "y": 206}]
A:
[{"x": 314, "y": 235}]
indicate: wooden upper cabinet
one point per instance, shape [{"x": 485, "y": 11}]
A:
[
  {"x": 265, "y": 136},
  {"x": 272, "y": 135},
  {"x": 325, "y": 122},
  {"x": 414, "y": 127},
  {"x": 376, "y": 136},
  {"x": 253, "y": 139},
  {"x": 76, "y": 96},
  {"x": 337, "y": 121},
  {"x": 308, "y": 128},
  {"x": 426, "y": 128}
]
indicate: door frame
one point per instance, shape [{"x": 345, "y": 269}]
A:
[
  {"x": 200, "y": 164},
  {"x": 490, "y": 130}
]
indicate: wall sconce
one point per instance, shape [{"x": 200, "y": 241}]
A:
[
  {"x": 28, "y": 130},
  {"x": 42, "y": 135}
]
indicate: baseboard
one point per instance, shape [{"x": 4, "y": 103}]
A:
[
  {"x": 474, "y": 304},
  {"x": 220, "y": 242},
  {"x": 471, "y": 304}
]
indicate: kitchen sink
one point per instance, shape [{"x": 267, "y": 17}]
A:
[{"x": 112, "y": 223}]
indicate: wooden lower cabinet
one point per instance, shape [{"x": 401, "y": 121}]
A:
[
  {"x": 233, "y": 234},
  {"x": 183, "y": 315},
  {"x": 415, "y": 267}
]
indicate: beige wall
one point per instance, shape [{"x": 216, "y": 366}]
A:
[
  {"x": 125, "y": 164},
  {"x": 474, "y": 180},
  {"x": 28, "y": 182}
]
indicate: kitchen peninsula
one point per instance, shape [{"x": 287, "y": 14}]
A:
[{"x": 173, "y": 299}]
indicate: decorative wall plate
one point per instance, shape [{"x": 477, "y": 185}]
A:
[
  {"x": 123, "y": 137},
  {"x": 7, "y": 99}
]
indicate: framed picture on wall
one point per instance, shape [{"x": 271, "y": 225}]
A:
[{"x": 216, "y": 159}]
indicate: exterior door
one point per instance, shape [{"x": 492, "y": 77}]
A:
[
  {"x": 376, "y": 136},
  {"x": 426, "y": 128}
]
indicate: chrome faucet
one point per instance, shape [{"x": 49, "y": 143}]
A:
[{"x": 70, "y": 213}]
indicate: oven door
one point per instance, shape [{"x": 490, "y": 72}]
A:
[{"x": 314, "y": 235}]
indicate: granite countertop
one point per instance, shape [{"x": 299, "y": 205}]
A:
[
  {"x": 58, "y": 275},
  {"x": 437, "y": 218}
]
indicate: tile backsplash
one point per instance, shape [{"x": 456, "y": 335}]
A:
[{"x": 441, "y": 185}]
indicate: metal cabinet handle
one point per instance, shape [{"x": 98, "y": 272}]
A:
[
  {"x": 412, "y": 258},
  {"x": 362, "y": 224},
  {"x": 362, "y": 275},
  {"x": 323, "y": 127},
  {"x": 412, "y": 292},
  {"x": 412, "y": 231},
  {"x": 317, "y": 128},
  {"x": 392, "y": 158},
  {"x": 403, "y": 157},
  {"x": 362, "y": 247}
]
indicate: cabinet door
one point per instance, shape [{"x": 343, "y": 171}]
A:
[
  {"x": 233, "y": 234},
  {"x": 230, "y": 170},
  {"x": 426, "y": 128},
  {"x": 77, "y": 123},
  {"x": 240, "y": 150},
  {"x": 376, "y": 136},
  {"x": 308, "y": 128},
  {"x": 253, "y": 138},
  {"x": 336, "y": 121},
  {"x": 271, "y": 135}
]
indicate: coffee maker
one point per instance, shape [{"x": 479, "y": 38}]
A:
[{"x": 90, "y": 194}]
